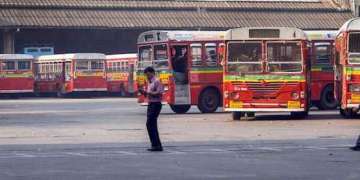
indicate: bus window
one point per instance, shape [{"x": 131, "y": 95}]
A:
[
  {"x": 145, "y": 57},
  {"x": 196, "y": 55},
  {"x": 354, "y": 48},
  {"x": 67, "y": 71},
  {"x": 97, "y": 65},
  {"x": 8, "y": 65},
  {"x": 211, "y": 56},
  {"x": 126, "y": 66},
  {"x": 322, "y": 53},
  {"x": 354, "y": 45},
  {"x": 160, "y": 56},
  {"x": 82, "y": 65},
  {"x": 244, "y": 57},
  {"x": 284, "y": 57},
  {"x": 24, "y": 65}
]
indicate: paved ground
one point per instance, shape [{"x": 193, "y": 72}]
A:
[{"x": 105, "y": 139}]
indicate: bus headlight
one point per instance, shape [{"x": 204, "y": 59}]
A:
[
  {"x": 235, "y": 95},
  {"x": 354, "y": 87},
  {"x": 348, "y": 77},
  {"x": 166, "y": 88},
  {"x": 295, "y": 96},
  {"x": 226, "y": 94}
]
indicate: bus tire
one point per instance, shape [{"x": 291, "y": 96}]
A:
[
  {"x": 299, "y": 115},
  {"x": 180, "y": 109},
  {"x": 209, "y": 100},
  {"x": 236, "y": 116},
  {"x": 327, "y": 99},
  {"x": 347, "y": 113}
]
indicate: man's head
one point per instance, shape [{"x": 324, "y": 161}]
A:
[
  {"x": 149, "y": 72},
  {"x": 183, "y": 51}
]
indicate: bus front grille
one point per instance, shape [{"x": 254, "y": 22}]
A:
[{"x": 265, "y": 90}]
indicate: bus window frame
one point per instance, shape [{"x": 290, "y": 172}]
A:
[
  {"x": 348, "y": 48},
  {"x": 261, "y": 60},
  {"x": 140, "y": 61},
  {"x": 314, "y": 60},
  {"x": 9, "y": 70},
  {"x": 302, "y": 59},
  {"x": 197, "y": 45},
  {"x": 215, "y": 45},
  {"x": 24, "y": 70},
  {"x": 97, "y": 61}
]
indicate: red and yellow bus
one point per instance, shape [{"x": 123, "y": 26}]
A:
[
  {"x": 187, "y": 63},
  {"x": 266, "y": 70},
  {"x": 120, "y": 73},
  {"x": 347, "y": 68},
  {"x": 16, "y": 73},
  {"x": 321, "y": 53},
  {"x": 67, "y": 73}
]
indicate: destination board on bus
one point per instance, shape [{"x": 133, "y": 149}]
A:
[{"x": 264, "y": 33}]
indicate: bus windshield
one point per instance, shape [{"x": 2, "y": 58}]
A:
[
  {"x": 284, "y": 57},
  {"x": 244, "y": 57},
  {"x": 145, "y": 57},
  {"x": 24, "y": 65},
  {"x": 97, "y": 65},
  {"x": 354, "y": 48},
  {"x": 8, "y": 65},
  {"x": 91, "y": 65},
  {"x": 161, "y": 56}
]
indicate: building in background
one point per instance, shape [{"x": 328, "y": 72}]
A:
[{"x": 110, "y": 26}]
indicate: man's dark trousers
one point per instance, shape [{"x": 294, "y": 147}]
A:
[{"x": 153, "y": 112}]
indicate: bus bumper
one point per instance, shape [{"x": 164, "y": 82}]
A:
[
  {"x": 89, "y": 89},
  {"x": 357, "y": 106},
  {"x": 146, "y": 103},
  {"x": 264, "y": 109},
  {"x": 17, "y": 91}
]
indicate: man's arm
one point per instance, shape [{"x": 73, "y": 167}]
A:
[{"x": 158, "y": 90}]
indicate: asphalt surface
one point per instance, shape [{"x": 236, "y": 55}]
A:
[{"x": 105, "y": 138}]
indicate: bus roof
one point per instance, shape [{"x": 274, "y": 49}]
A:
[
  {"x": 16, "y": 57},
  {"x": 76, "y": 56},
  {"x": 351, "y": 25},
  {"x": 121, "y": 56},
  {"x": 268, "y": 33},
  {"x": 321, "y": 35},
  {"x": 159, "y": 36}
]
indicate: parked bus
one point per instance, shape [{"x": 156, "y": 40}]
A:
[
  {"x": 16, "y": 74},
  {"x": 321, "y": 53},
  {"x": 347, "y": 68},
  {"x": 120, "y": 74},
  {"x": 67, "y": 73},
  {"x": 187, "y": 64},
  {"x": 266, "y": 70}
]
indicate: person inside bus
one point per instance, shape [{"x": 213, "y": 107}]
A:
[
  {"x": 154, "y": 93},
  {"x": 179, "y": 63}
]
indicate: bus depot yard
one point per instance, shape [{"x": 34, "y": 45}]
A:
[{"x": 105, "y": 138}]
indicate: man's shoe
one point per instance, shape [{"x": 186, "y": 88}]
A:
[{"x": 154, "y": 149}]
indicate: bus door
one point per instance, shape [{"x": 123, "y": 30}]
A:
[{"x": 179, "y": 62}]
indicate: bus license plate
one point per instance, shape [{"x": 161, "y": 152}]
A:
[
  {"x": 293, "y": 104},
  {"x": 236, "y": 104},
  {"x": 355, "y": 97}
]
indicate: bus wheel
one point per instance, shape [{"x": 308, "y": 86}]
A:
[
  {"x": 347, "y": 113},
  {"x": 327, "y": 99},
  {"x": 209, "y": 101},
  {"x": 237, "y": 115},
  {"x": 180, "y": 109},
  {"x": 299, "y": 115}
]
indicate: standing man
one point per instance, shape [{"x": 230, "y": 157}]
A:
[{"x": 154, "y": 94}]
